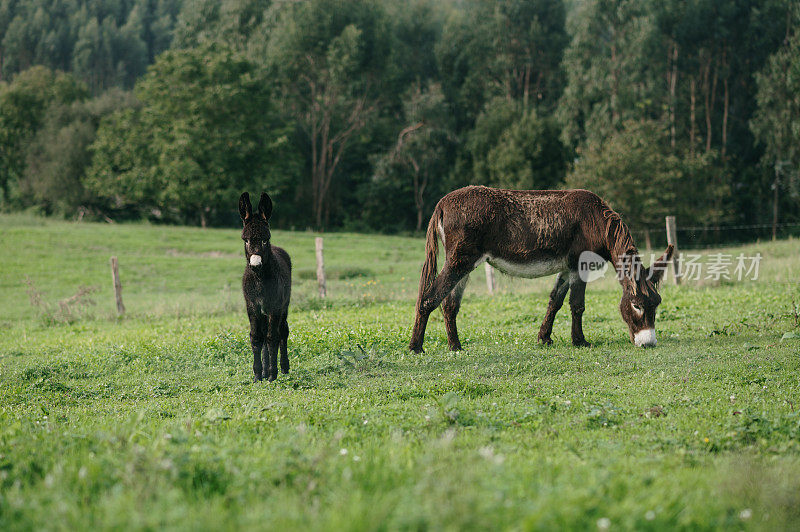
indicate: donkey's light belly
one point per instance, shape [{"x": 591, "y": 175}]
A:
[{"x": 539, "y": 268}]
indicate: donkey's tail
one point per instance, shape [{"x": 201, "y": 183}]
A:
[{"x": 428, "y": 274}]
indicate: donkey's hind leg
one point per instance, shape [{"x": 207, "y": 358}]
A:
[
  {"x": 557, "y": 296},
  {"x": 283, "y": 345},
  {"x": 452, "y": 272},
  {"x": 577, "y": 302},
  {"x": 450, "y": 306}
]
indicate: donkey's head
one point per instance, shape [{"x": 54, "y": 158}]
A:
[
  {"x": 255, "y": 233},
  {"x": 640, "y": 298}
]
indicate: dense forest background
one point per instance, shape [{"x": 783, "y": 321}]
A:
[{"x": 361, "y": 114}]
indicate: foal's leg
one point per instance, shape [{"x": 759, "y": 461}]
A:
[
  {"x": 270, "y": 364},
  {"x": 452, "y": 272},
  {"x": 283, "y": 344},
  {"x": 557, "y": 296},
  {"x": 257, "y": 333},
  {"x": 450, "y": 306},
  {"x": 577, "y": 301}
]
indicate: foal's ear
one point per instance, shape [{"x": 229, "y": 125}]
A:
[
  {"x": 245, "y": 209},
  {"x": 265, "y": 206},
  {"x": 656, "y": 270}
]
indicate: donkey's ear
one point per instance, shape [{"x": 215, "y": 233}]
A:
[
  {"x": 245, "y": 209},
  {"x": 265, "y": 206},
  {"x": 656, "y": 270},
  {"x": 629, "y": 272}
]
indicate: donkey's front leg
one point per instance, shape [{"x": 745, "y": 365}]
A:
[
  {"x": 270, "y": 364},
  {"x": 283, "y": 344},
  {"x": 577, "y": 302},
  {"x": 257, "y": 332},
  {"x": 557, "y": 296}
]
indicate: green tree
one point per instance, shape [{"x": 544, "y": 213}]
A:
[
  {"x": 643, "y": 181},
  {"x": 23, "y": 106},
  {"x": 205, "y": 132},
  {"x": 776, "y": 123},
  {"x": 607, "y": 65},
  {"x": 330, "y": 57},
  {"x": 419, "y": 161},
  {"x": 58, "y": 155},
  {"x": 528, "y": 155},
  {"x": 511, "y": 49}
]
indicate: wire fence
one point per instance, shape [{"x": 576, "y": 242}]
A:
[{"x": 712, "y": 236}]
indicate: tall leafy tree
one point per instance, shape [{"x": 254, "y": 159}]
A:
[
  {"x": 776, "y": 123},
  {"x": 58, "y": 155},
  {"x": 511, "y": 48},
  {"x": 607, "y": 65},
  {"x": 23, "y": 106},
  {"x": 330, "y": 57},
  {"x": 634, "y": 171},
  {"x": 528, "y": 155},
  {"x": 205, "y": 132},
  {"x": 419, "y": 160}
]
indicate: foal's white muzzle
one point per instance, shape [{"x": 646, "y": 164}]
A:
[
  {"x": 645, "y": 338},
  {"x": 255, "y": 260}
]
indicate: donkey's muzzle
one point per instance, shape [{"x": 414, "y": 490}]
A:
[
  {"x": 645, "y": 338},
  {"x": 255, "y": 260}
]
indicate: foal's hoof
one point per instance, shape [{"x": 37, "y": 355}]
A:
[
  {"x": 416, "y": 349},
  {"x": 581, "y": 343},
  {"x": 256, "y": 378},
  {"x": 455, "y": 347},
  {"x": 545, "y": 340}
]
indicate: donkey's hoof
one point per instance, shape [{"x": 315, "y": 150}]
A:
[
  {"x": 285, "y": 371},
  {"x": 256, "y": 378},
  {"x": 545, "y": 340},
  {"x": 416, "y": 349},
  {"x": 581, "y": 343},
  {"x": 456, "y": 347}
]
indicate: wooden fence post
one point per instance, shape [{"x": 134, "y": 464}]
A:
[
  {"x": 672, "y": 238},
  {"x": 320, "y": 268},
  {"x": 117, "y": 286},
  {"x": 490, "y": 284}
]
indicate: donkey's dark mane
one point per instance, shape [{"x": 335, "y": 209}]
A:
[
  {"x": 618, "y": 237},
  {"x": 620, "y": 244}
]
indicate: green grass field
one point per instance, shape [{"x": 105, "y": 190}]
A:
[{"x": 151, "y": 421}]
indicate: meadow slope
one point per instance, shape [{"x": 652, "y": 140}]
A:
[{"x": 151, "y": 420}]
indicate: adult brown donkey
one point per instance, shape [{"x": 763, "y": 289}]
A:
[{"x": 533, "y": 233}]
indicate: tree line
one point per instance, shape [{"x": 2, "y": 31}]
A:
[{"x": 360, "y": 114}]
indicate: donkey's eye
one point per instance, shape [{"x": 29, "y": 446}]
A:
[{"x": 637, "y": 309}]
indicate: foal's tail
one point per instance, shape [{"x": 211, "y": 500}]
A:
[{"x": 431, "y": 251}]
